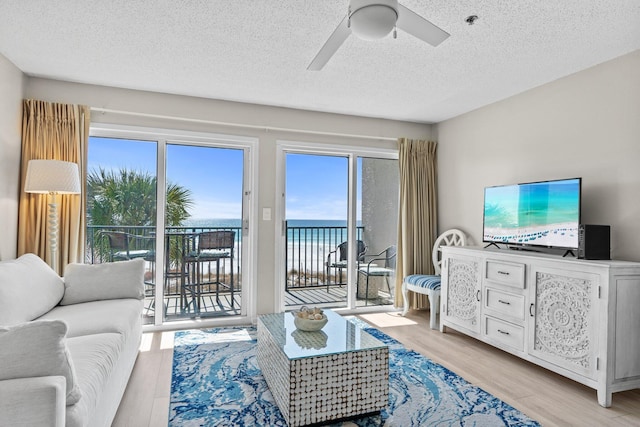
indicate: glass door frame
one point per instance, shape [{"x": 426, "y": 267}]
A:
[
  {"x": 352, "y": 153},
  {"x": 163, "y": 137}
]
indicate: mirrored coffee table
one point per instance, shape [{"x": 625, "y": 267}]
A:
[{"x": 336, "y": 373}]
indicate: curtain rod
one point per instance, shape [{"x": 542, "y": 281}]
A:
[{"x": 241, "y": 125}]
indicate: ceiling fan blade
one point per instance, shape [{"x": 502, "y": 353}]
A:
[
  {"x": 417, "y": 26},
  {"x": 331, "y": 46}
]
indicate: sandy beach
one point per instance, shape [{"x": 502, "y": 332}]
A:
[{"x": 562, "y": 235}]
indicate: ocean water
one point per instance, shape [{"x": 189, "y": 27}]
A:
[
  {"x": 536, "y": 205},
  {"x": 303, "y": 230},
  {"x": 309, "y": 241},
  {"x": 237, "y": 222},
  {"x": 205, "y": 223}
]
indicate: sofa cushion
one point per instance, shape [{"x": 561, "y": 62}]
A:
[
  {"x": 28, "y": 289},
  {"x": 95, "y": 358},
  {"x": 118, "y": 315},
  {"x": 111, "y": 280},
  {"x": 19, "y": 399},
  {"x": 38, "y": 349}
]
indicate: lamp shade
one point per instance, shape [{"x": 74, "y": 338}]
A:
[{"x": 52, "y": 176}]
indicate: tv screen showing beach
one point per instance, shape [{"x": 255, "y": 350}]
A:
[{"x": 540, "y": 213}]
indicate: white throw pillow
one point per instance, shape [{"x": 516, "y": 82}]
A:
[
  {"x": 37, "y": 349},
  {"x": 29, "y": 288},
  {"x": 111, "y": 280}
]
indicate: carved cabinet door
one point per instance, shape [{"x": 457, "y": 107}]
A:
[
  {"x": 461, "y": 281},
  {"x": 563, "y": 322}
]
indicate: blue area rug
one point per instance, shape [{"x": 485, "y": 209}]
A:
[{"x": 216, "y": 381}]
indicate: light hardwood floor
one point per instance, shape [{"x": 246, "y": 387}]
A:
[{"x": 543, "y": 395}]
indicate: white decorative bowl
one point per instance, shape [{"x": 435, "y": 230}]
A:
[{"x": 310, "y": 325}]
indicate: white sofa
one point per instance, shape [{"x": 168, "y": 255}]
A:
[{"x": 67, "y": 346}]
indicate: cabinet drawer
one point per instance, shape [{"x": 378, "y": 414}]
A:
[
  {"x": 504, "y": 303},
  {"x": 506, "y": 273},
  {"x": 505, "y": 333}
]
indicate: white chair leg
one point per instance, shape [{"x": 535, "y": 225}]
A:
[
  {"x": 434, "y": 302},
  {"x": 405, "y": 297}
]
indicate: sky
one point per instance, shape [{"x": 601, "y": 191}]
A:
[{"x": 316, "y": 186}]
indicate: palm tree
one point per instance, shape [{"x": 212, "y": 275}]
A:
[
  {"x": 128, "y": 198},
  {"x": 178, "y": 203}
]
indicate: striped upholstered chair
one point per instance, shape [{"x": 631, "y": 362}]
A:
[{"x": 428, "y": 284}]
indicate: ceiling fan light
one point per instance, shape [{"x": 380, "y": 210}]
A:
[{"x": 374, "y": 21}]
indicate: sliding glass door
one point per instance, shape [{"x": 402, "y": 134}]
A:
[
  {"x": 340, "y": 210},
  {"x": 181, "y": 204},
  {"x": 377, "y": 206},
  {"x": 121, "y": 206},
  {"x": 203, "y": 250},
  {"x": 316, "y": 229}
]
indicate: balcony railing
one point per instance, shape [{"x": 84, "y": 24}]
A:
[
  {"x": 97, "y": 247},
  {"x": 307, "y": 252},
  {"x": 143, "y": 238},
  {"x": 307, "y": 249}
]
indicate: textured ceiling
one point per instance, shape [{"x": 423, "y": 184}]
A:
[{"x": 257, "y": 51}]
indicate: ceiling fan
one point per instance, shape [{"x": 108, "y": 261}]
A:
[{"x": 374, "y": 19}]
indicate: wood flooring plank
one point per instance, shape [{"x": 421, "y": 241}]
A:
[
  {"x": 160, "y": 413},
  {"x": 137, "y": 403},
  {"x": 163, "y": 385}
]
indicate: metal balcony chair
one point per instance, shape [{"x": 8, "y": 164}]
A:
[
  {"x": 339, "y": 255},
  {"x": 125, "y": 246},
  {"x": 429, "y": 284},
  {"x": 212, "y": 246},
  {"x": 121, "y": 244},
  {"x": 372, "y": 269}
]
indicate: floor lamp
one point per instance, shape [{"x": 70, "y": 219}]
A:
[{"x": 52, "y": 177}]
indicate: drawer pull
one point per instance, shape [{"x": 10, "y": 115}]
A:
[
  {"x": 503, "y": 332},
  {"x": 504, "y": 302},
  {"x": 504, "y": 273}
]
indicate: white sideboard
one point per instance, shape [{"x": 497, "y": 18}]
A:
[{"x": 579, "y": 318}]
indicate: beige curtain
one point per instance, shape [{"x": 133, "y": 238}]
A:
[
  {"x": 417, "y": 219},
  {"x": 57, "y": 132}
]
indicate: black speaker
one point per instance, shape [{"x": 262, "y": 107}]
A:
[{"x": 594, "y": 241}]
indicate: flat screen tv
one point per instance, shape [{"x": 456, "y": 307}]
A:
[{"x": 543, "y": 214}]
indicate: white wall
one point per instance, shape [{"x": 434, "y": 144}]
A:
[
  {"x": 230, "y": 112},
  {"x": 584, "y": 125},
  {"x": 12, "y": 83}
]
